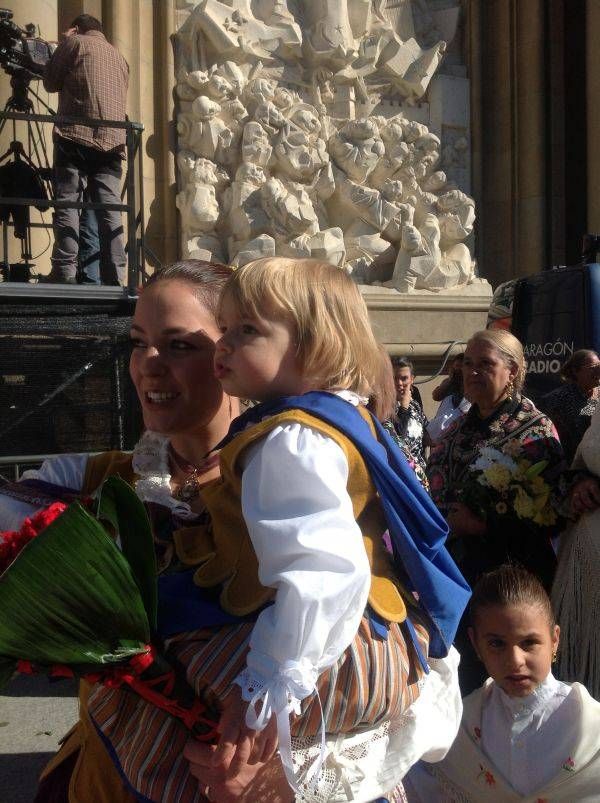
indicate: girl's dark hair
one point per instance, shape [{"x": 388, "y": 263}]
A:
[
  {"x": 506, "y": 586},
  {"x": 575, "y": 362},
  {"x": 206, "y": 279},
  {"x": 403, "y": 362}
]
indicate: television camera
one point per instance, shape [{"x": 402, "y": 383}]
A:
[{"x": 20, "y": 48}]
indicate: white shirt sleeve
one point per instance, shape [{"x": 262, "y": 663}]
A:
[
  {"x": 310, "y": 549},
  {"x": 66, "y": 470}
]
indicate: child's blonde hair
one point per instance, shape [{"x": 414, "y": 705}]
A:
[{"x": 334, "y": 341}]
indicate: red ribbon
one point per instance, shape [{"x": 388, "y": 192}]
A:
[{"x": 115, "y": 676}]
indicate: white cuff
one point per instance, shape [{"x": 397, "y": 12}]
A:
[
  {"x": 280, "y": 696},
  {"x": 288, "y": 685}
]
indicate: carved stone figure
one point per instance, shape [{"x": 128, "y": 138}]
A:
[{"x": 292, "y": 140}]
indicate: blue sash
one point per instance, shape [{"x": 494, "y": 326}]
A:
[{"x": 417, "y": 529}]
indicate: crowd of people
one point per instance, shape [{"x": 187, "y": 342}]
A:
[{"x": 329, "y": 535}]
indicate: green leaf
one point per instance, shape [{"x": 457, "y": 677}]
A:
[
  {"x": 536, "y": 469},
  {"x": 120, "y": 505},
  {"x": 71, "y": 598}
]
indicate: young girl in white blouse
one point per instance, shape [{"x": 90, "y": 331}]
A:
[
  {"x": 339, "y": 645},
  {"x": 524, "y": 736}
]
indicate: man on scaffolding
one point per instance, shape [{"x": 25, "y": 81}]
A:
[{"x": 91, "y": 77}]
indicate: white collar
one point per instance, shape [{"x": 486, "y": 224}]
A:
[
  {"x": 520, "y": 707},
  {"x": 150, "y": 463}
]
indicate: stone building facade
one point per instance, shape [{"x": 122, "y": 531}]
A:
[{"x": 522, "y": 143}]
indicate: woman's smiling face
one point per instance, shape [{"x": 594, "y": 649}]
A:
[{"x": 173, "y": 337}]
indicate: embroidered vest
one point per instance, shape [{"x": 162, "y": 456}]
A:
[{"x": 225, "y": 549}]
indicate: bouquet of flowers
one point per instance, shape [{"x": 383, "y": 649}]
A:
[
  {"x": 78, "y": 595},
  {"x": 500, "y": 486}
]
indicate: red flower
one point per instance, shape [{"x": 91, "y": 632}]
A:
[{"x": 12, "y": 541}]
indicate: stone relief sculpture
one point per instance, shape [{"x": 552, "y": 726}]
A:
[{"x": 298, "y": 135}]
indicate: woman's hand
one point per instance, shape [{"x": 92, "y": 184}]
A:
[
  {"x": 463, "y": 522},
  {"x": 239, "y": 745},
  {"x": 585, "y": 496},
  {"x": 265, "y": 782}
]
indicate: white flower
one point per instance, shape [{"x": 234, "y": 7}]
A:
[{"x": 488, "y": 457}]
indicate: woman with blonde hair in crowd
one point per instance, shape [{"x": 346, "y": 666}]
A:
[{"x": 500, "y": 418}]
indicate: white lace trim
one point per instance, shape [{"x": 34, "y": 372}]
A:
[
  {"x": 151, "y": 464},
  {"x": 347, "y": 760}
]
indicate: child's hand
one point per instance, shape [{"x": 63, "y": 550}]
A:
[{"x": 240, "y": 745}]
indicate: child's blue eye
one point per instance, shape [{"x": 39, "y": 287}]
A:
[{"x": 247, "y": 329}]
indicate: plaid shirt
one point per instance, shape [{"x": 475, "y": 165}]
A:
[{"x": 92, "y": 78}]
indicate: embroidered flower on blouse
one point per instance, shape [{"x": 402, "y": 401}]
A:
[
  {"x": 569, "y": 765},
  {"x": 487, "y": 776}
]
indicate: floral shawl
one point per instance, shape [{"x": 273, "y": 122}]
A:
[
  {"x": 519, "y": 428},
  {"x": 467, "y": 775}
]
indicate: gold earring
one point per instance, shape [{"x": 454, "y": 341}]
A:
[
  {"x": 554, "y": 659},
  {"x": 510, "y": 388}
]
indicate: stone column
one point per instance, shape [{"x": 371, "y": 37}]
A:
[
  {"x": 508, "y": 57},
  {"x": 141, "y": 29}
]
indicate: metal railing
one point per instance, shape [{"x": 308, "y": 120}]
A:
[{"x": 132, "y": 194}]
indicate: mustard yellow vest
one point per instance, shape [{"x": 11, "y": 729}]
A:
[{"x": 224, "y": 552}]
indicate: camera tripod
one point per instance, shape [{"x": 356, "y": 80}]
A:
[{"x": 35, "y": 166}]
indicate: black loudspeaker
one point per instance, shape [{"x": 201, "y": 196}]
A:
[
  {"x": 64, "y": 380},
  {"x": 554, "y": 314}
]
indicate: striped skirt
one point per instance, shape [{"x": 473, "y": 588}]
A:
[{"x": 373, "y": 681}]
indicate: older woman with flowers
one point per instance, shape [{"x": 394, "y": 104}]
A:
[{"x": 492, "y": 474}]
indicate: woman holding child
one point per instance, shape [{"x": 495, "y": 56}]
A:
[{"x": 292, "y": 626}]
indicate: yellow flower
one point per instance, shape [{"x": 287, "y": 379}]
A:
[
  {"x": 497, "y": 477},
  {"x": 523, "y": 504},
  {"x": 546, "y": 517},
  {"x": 541, "y": 500},
  {"x": 538, "y": 485}
]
